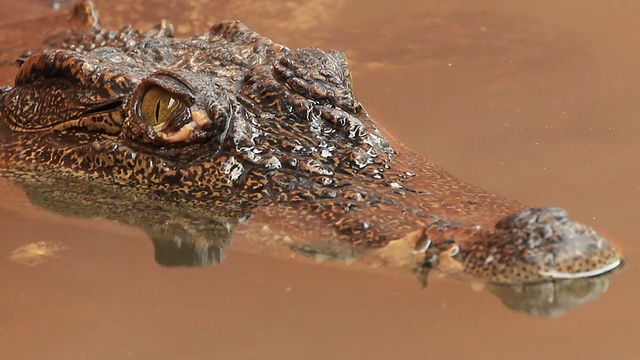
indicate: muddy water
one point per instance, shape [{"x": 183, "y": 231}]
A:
[{"x": 536, "y": 102}]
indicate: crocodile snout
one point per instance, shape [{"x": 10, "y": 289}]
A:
[{"x": 538, "y": 244}]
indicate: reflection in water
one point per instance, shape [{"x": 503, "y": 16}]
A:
[
  {"x": 550, "y": 299},
  {"x": 546, "y": 300},
  {"x": 181, "y": 237},
  {"x": 197, "y": 236},
  {"x": 177, "y": 245}
]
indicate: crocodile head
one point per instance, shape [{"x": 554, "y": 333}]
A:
[{"x": 233, "y": 121}]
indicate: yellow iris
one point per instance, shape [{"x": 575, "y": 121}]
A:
[{"x": 158, "y": 105}]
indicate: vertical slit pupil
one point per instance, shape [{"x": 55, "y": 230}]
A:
[{"x": 158, "y": 111}]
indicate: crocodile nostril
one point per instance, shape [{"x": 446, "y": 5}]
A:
[
  {"x": 539, "y": 244},
  {"x": 532, "y": 217}
]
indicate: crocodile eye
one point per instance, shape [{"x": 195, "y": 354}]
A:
[{"x": 158, "y": 106}]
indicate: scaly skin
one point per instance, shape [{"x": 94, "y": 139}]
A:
[{"x": 265, "y": 128}]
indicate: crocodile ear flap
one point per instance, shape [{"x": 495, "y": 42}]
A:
[
  {"x": 54, "y": 89},
  {"x": 75, "y": 70}
]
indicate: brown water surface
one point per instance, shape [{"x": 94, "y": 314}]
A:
[{"x": 532, "y": 100}]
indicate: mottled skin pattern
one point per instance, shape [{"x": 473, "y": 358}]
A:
[{"x": 260, "y": 127}]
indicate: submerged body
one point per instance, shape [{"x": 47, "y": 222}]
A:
[{"x": 233, "y": 121}]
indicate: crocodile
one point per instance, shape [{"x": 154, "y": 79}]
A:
[{"x": 233, "y": 122}]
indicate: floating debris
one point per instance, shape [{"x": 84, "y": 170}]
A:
[{"x": 33, "y": 254}]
